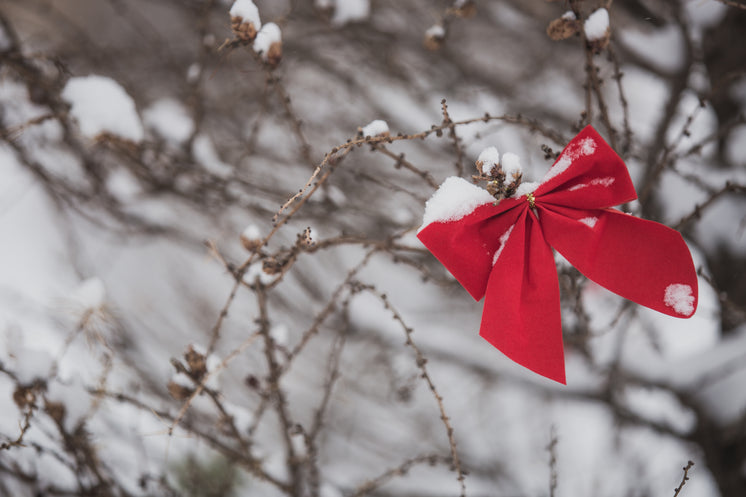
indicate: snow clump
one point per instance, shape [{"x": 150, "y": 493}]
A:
[
  {"x": 251, "y": 238},
  {"x": 170, "y": 120},
  {"x": 511, "y": 165},
  {"x": 375, "y": 128},
  {"x": 268, "y": 43},
  {"x": 597, "y": 25},
  {"x": 100, "y": 105},
  {"x": 347, "y": 11},
  {"x": 456, "y": 198},
  {"x": 488, "y": 160},
  {"x": 680, "y": 298},
  {"x": 245, "y": 21}
]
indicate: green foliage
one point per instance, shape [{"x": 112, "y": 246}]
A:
[{"x": 214, "y": 477}]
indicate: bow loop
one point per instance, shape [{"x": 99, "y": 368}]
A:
[{"x": 588, "y": 174}]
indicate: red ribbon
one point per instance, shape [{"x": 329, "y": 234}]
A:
[{"x": 504, "y": 251}]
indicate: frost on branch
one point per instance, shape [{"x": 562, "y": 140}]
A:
[
  {"x": 268, "y": 44},
  {"x": 245, "y": 21},
  {"x": 101, "y": 106}
]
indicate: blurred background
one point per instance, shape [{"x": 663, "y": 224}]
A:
[{"x": 210, "y": 283}]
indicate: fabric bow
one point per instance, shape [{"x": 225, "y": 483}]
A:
[{"x": 504, "y": 251}]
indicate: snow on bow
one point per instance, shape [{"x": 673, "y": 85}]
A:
[{"x": 504, "y": 252}]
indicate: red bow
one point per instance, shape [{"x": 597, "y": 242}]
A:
[{"x": 505, "y": 250}]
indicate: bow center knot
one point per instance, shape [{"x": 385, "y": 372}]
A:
[{"x": 531, "y": 200}]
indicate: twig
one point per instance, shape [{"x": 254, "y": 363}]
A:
[
  {"x": 400, "y": 470},
  {"x": 699, "y": 208},
  {"x": 686, "y": 469},
  {"x": 421, "y": 362},
  {"x": 552, "y": 449}
]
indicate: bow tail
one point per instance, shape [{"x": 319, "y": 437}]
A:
[
  {"x": 521, "y": 314},
  {"x": 641, "y": 260}
]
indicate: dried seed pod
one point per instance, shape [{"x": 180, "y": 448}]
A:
[
  {"x": 464, "y": 8},
  {"x": 245, "y": 31},
  {"x": 268, "y": 44},
  {"x": 56, "y": 411},
  {"x": 251, "y": 239},
  {"x": 435, "y": 37},
  {"x": 304, "y": 239},
  {"x": 564, "y": 27},
  {"x": 245, "y": 21},
  {"x": 272, "y": 266},
  {"x": 24, "y": 397},
  {"x": 197, "y": 363},
  {"x": 178, "y": 391}
]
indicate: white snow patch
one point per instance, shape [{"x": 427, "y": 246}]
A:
[
  {"x": 255, "y": 271},
  {"x": 375, "y": 128},
  {"x": 503, "y": 240},
  {"x": 586, "y": 147},
  {"x": 569, "y": 15},
  {"x": 455, "y": 199},
  {"x": 435, "y": 31},
  {"x": 123, "y": 185},
  {"x": 511, "y": 165},
  {"x": 242, "y": 417},
  {"x": 559, "y": 167},
  {"x": 596, "y": 25},
  {"x": 193, "y": 72},
  {"x": 252, "y": 232},
  {"x": 661, "y": 406},
  {"x": 589, "y": 221},
  {"x": 488, "y": 158},
  {"x": 266, "y": 37},
  {"x": 679, "y": 297},
  {"x": 204, "y": 152},
  {"x": 335, "y": 195},
  {"x": 74, "y": 397},
  {"x": 605, "y": 182},
  {"x": 170, "y": 119},
  {"x": 183, "y": 380},
  {"x": 525, "y": 188},
  {"x": 31, "y": 364},
  {"x": 279, "y": 334},
  {"x": 668, "y": 40},
  {"x": 89, "y": 296},
  {"x": 298, "y": 441},
  {"x": 246, "y": 10},
  {"x": 101, "y": 105},
  {"x": 347, "y": 11}
]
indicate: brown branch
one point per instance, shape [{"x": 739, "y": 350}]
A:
[
  {"x": 699, "y": 208},
  {"x": 401, "y": 470},
  {"x": 421, "y": 362},
  {"x": 684, "y": 479},
  {"x": 731, "y": 3}
]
